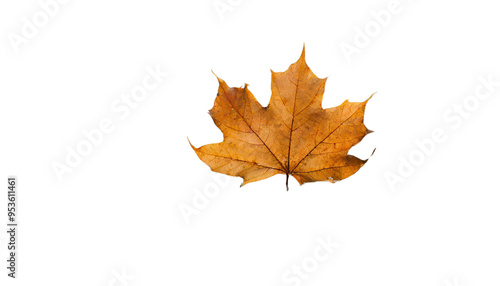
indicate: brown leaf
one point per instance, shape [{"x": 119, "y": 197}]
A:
[{"x": 293, "y": 135}]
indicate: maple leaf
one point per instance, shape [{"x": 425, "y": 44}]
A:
[{"x": 293, "y": 135}]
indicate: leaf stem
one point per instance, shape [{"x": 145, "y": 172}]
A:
[{"x": 287, "y": 182}]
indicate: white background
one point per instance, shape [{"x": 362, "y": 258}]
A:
[{"x": 120, "y": 208}]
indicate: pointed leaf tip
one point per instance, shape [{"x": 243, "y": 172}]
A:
[
  {"x": 303, "y": 54},
  {"x": 371, "y": 96},
  {"x": 190, "y": 142}
]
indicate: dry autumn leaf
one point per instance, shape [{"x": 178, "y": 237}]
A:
[{"x": 293, "y": 135}]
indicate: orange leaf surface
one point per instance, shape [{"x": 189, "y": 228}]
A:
[{"x": 293, "y": 135}]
